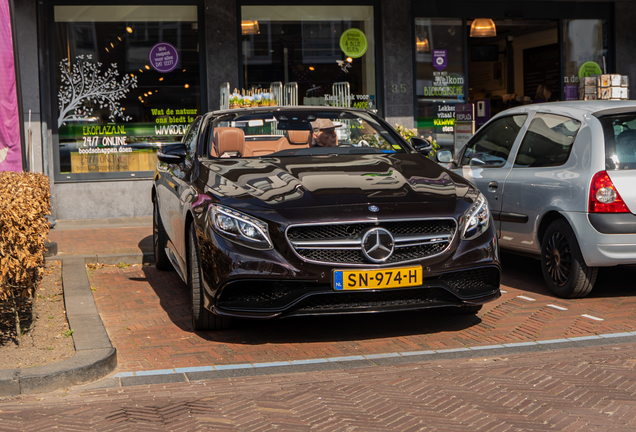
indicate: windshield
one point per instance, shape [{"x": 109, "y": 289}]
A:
[
  {"x": 620, "y": 141},
  {"x": 289, "y": 133}
]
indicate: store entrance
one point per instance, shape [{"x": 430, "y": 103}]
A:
[{"x": 519, "y": 65}]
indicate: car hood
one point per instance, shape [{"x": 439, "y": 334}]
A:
[{"x": 330, "y": 180}]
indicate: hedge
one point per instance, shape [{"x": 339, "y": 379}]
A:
[{"x": 25, "y": 201}]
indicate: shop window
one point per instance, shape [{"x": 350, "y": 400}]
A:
[
  {"x": 440, "y": 76},
  {"x": 585, "y": 42},
  {"x": 127, "y": 82},
  {"x": 548, "y": 141},
  {"x": 309, "y": 48}
]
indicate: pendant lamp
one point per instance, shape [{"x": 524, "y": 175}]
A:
[
  {"x": 423, "y": 45},
  {"x": 483, "y": 27}
]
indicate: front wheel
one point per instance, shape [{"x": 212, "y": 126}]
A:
[
  {"x": 202, "y": 319},
  {"x": 562, "y": 264},
  {"x": 159, "y": 240}
]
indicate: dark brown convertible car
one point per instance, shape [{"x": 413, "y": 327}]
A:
[{"x": 273, "y": 212}]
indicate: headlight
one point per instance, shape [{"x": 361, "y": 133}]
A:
[
  {"x": 239, "y": 227},
  {"x": 476, "y": 219}
]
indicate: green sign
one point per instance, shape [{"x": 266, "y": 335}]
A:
[
  {"x": 588, "y": 69},
  {"x": 353, "y": 43}
]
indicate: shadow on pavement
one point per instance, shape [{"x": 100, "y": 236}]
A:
[
  {"x": 145, "y": 245},
  {"x": 174, "y": 299},
  {"x": 524, "y": 273}
]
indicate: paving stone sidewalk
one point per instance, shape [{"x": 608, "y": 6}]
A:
[
  {"x": 583, "y": 389},
  {"x": 147, "y": 315}
]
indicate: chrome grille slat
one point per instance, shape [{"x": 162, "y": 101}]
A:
[{"x": 340, "y": 243}]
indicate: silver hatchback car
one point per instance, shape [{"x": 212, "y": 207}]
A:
[{"x": 560, "y": 179}]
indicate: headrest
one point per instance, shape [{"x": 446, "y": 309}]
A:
[
  {"x": 298, "y": 137},
  {"x": 229, "y": 139}
]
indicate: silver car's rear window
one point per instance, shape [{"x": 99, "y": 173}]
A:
[{"x": 620, "y": 141}]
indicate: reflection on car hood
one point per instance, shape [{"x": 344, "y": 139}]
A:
[{"x": 289, "y": 182}]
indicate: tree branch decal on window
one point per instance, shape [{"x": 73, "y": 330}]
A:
[{"x": 84, "y": 87}]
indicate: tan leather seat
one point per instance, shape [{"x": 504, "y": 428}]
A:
[
  {"x": 229, "y": 140},
  {"x": 295, "y": 139}
]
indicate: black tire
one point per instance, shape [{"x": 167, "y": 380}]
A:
[
  {"x": 202, "y": 319},
  {"x": 562, "y": 264},
  {"x": 468, "y": 309},
  {"x": 159, "y": 241}
]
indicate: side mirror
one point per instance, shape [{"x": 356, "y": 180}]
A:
[
  {"x": 172, "y": 153},
  {"x": 422, "y": 145},
  {"x": 444, "y": 156}
]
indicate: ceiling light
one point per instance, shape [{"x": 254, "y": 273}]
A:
[
  {"x": 147, "y": 67},
  {"x": 312, "y": 68},
  {"x": 349, "y": 59},
  {"x": 187, "y": 86},
  {"x": 161, "y": 79},
  {"x": 129, "y": 30},
  {"x": 423, "y": 45},
  {"x": 249, "y": 27},
  {"x": 483, "y": 27}
]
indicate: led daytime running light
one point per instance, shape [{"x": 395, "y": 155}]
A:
[
  {"x": 476, "y": 220},
  {"x": 239, "y": 227}
]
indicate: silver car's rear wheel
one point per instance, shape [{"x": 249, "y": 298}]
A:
[{"x": 563, "y": 267}]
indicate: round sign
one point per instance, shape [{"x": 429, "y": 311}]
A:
[
  {"x": 163, "y": 57},
  {"x": 589, "y": 68},
  {"x": 353, "y": 43}
]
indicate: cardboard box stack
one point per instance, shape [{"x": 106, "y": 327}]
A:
[{"x": 605, "y": 86}]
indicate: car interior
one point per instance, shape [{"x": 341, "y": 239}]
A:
[{"x": 232, "y": 142}]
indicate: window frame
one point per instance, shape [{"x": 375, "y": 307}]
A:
[
  {"x": 483, "y": 131},
  {"x": 49, "y": 86},
  {"x": 539, "y": 115}
]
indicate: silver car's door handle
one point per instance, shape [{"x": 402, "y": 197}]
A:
[{"x": 492, "y": 186}]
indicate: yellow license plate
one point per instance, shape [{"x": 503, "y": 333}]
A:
[{"x": 377, "y": 279}]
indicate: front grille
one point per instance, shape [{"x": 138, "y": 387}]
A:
[
  {"x": 340, "y": 243},
  {"x": 468, "y": 283},
  {"x": 352, "y": 256},
  {"x": 355, "y": 230},
  {"x": 409, "y": 298}
]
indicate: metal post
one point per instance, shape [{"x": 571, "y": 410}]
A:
[
  {"x": 276, "y": 90},
  {"x": 341, "y": 94},
  {"x": 225, "y": 96},
  {"x": 290, "y": 92}
]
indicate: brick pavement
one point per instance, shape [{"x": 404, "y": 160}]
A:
[
  {"x": 84, "y": 241},
  {"x": 146, "y": 313},
  {"x": 583, "y": 389}
]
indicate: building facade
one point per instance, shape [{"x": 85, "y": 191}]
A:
[{"x": 103, "y": 85}]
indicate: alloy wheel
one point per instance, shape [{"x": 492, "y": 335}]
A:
[{"x": 558, "y": 256}]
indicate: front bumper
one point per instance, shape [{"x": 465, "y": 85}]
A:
[
  {"x": 264, "y": 284},
  {"x": 268, "y": 298}
]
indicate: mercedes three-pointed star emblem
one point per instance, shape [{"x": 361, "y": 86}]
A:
[{"x": 377, "y": 245}]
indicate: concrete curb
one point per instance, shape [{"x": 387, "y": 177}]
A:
[
  {"x": 115, "y": 258},
  {"x": 94, "y": 356}
]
